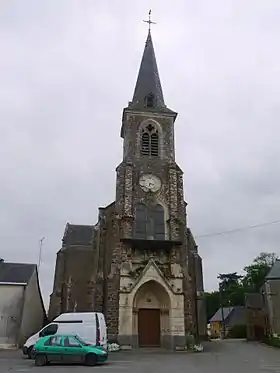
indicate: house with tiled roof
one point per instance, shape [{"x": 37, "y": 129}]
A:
[
  {"x": 226, "y": 317},
  {"x": 22, "y": 311}
]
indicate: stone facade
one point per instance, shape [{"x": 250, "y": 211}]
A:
[
  {"x": 256, "y": 316},
  {"x": 271, "y": 294},
  {"x": 107, "y": 267}
]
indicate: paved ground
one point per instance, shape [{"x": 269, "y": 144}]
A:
[{"x": 218, "y": 357}]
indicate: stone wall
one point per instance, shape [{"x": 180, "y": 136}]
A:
[
  {"x": 170, "y": 196},
  {"x": 11, "y": 304},
  {"x": 99, "y": 273},
  {"x": 107, "y": 283},
  {"x": 73, "y": 290},
  {"x": 165, "y": 294},
  {"x": 197, "y": 307},
  {"x": 56, "y": 296},
  {"x": 134, "y": 120},
  {"x": 272, "y": 294}
]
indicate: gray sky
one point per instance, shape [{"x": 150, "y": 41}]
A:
[{"x": 67, "y": 70}]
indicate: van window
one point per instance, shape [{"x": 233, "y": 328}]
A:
[{"x": 48, "y": 330}]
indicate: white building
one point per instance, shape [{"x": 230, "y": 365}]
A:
[{"x": 22, "y": 311}]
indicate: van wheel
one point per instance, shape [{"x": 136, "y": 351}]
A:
[
  {"x": 30, "y": 353},
  {"x": 91, "y": 360},
  {"x": 40, "y": 360}
]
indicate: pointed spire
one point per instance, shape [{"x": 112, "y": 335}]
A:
[{"x": 148, "y": 91}]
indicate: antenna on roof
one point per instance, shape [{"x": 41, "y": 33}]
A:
[{"x": 40, "y": 251}]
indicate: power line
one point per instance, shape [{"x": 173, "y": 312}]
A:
[{"x": 238, "y": 229}]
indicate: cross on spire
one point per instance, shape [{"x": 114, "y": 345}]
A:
[{"x": 150, "y": 22}]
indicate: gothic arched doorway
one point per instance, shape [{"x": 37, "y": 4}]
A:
[{"x": 151, "y": 308}]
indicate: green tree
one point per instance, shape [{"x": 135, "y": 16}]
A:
[
  {"x": 231, "y": 289},
  {"x": 229, "y": 280},
  {"x": 257, "y": 271},
  {"x": 212, "y": 301},
  {"x": 232, "y": 286}
]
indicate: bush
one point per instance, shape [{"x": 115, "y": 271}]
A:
[
  {"x": 272, "y": 341},
  {"x": 238, "y": 331}
]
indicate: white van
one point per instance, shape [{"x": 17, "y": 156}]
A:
[{"x": 90, "y": 326}]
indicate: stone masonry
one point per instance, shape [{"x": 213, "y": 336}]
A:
[{"x": 107, "y": 267}]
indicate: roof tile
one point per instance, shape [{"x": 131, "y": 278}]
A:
[{"x": 16, "y": 272}]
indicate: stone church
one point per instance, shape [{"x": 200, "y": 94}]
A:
[{"x": 139, "y": 264}]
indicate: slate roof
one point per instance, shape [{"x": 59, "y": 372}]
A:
[
  {"x": 16, "y": 272},
  {"x": 274, "y": 273},
  {"x": 218, "y": 314},
  {"x": 78, "y": 234},
  {"x": 232, "y": 315},
  {"x": 148, "y": 80},
  {"x": 237, "y": 316}
]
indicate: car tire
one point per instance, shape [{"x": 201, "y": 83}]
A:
[
  {"x": 41, "y": 360},
  {"x": 91, "y": 359},
  {"x": 30, "y": 354}
]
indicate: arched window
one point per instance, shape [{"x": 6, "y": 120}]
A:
[
  {"x": 149, "y": 222},
  {"x": 141, "y": 220},
  {"x": 158, "y": 223},
  {"x": 150, "y": 141}
]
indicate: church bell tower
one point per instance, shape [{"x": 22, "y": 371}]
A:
[
  {"x": 156, "y": 295},
  {"x": 152, "y": 198},
  {"x": 139, "y": 264}
]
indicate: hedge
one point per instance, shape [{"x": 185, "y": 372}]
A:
[
  {"x": 238, "y": 331},
  {"x": 272, "y": 341}
]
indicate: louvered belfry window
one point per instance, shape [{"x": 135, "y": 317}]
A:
[
  {"x": 150, "y": 101},
  {"x": 150, "y": 141},
  {"x": 145, "y": 143},
  {"x": 149, "y": 222}
]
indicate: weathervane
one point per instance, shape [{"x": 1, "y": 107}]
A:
[{"x": 150, "y": 21}]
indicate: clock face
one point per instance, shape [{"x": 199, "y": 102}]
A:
[{"x": 150, "y": 183}]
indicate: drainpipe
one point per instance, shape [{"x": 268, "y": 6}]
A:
[{"x": 195, "y": 300}]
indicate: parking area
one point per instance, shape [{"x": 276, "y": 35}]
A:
[{"x": 218, "y": 357}]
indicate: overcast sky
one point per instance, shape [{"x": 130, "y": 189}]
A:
[{"x": 68, "y": 68}]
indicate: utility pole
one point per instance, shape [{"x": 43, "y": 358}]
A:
[
  {"x": 223, "y": 334},
  {"x": 40, "y": 251}
]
